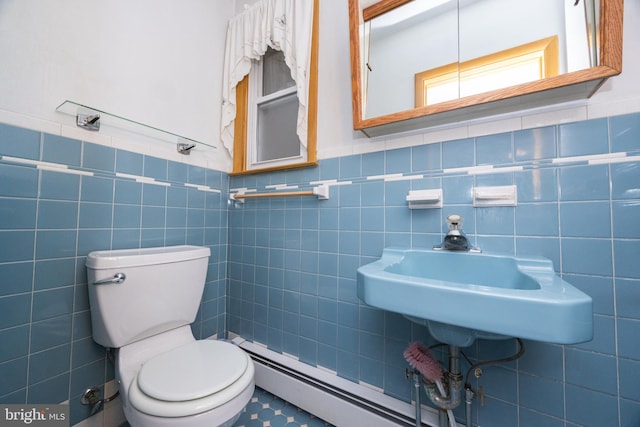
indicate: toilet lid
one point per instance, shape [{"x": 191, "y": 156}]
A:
[{"x": 192, "y": 371}]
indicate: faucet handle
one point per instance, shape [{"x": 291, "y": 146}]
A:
[{"x": 455, "y": 221}]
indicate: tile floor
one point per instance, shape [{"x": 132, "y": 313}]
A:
[{"x": 267, "y": 410}]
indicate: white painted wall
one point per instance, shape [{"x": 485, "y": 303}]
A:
[{"x": 160, "y": 62}]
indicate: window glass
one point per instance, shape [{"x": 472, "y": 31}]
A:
[
  {"x": 276, "y": 129},
  {"x": 275, "y": 72}
]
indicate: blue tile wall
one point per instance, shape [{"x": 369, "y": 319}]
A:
[
  {"x": 50, "y": 221},
  {"x": 283, "y": 270},
  {"x": 292, "y": 264}
]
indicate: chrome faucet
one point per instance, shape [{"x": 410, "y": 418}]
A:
[{"x": 455, "y": 240}]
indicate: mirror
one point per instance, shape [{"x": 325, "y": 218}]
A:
[{"x": 420, "y": 63}]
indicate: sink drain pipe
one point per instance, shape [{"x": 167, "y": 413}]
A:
[
  {"x": 423, "y": 362},
  {"x": 437, "y": 393},
  {"x": 420, "y": 358}
]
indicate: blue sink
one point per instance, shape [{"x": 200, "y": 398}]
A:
[{"x": 462, "y": 296}]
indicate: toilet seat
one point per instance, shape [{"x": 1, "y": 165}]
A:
[
  {"x": 191, "y": 371},
  {"x": 191, "y": 379}
]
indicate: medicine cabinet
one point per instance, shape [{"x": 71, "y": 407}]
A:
[{"x": 421, "y": 63}]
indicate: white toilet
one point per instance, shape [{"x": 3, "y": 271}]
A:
[{"x": 142, "y": 302}]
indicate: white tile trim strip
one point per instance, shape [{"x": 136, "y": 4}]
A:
[
  {"x": 126, "y": 175},
  {"x": 593, "y": 159},
  {"x": 242, "y": 190},
  {"x": 329, "y": 183},
  {"x": 48, "y": 166},
  {"x": 499, "y": 170},
  {"x": 202, "y": 188},
  {"x": 482, "y": 169},
  {"x": 403, "y": 178},
  {"x": 34, "y": 162},
  {"x": 154, "y": 182},
  {"x": 589, "y": 158},
  {"x": 614, "y": 160},
  {"x": 281, "y": 187},
  {"x": 384, "y": 177},
  {"x": 325, "y": 181},
  {"x": 137, "y": 178},
  {"x": 143, "y": 179},
  {"x": 471, "y": 170},
  {"x": 64, "y": 170}
]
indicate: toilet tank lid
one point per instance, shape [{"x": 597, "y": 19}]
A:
[{"x": 98, "y": 260}]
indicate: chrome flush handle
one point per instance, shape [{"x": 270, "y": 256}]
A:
[{"x": 117, "y": 278}]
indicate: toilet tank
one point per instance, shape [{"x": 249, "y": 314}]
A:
[{"x": 161, "y": 291}]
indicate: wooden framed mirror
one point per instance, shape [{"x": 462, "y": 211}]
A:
[{"x": 404, "y": 77}]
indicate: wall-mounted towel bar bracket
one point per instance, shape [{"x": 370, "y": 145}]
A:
[
  {"x": 321, "y": 192},
  {"x": 501, "y": 195},
  {"x": 425, "y": 199}
]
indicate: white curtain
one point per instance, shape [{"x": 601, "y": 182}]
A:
[{"x": 284, "y": 25}]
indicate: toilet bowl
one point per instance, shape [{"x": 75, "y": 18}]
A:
[
  {"x": 142, "y": 303},
  {"x": 172, "y": 379}
]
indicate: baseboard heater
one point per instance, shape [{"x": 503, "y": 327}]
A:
[{"x": 322, "y": 393}]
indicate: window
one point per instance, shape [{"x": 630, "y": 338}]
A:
[
  {"x": 521, "y": 64},
  {"x": 268, "y": 132},
  {"x": 272, "y": 110}
]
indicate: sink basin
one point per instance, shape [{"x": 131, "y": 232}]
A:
[{"x": 462, "y": 296}]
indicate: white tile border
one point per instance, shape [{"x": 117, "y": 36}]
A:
[
  {"x": 203, "y": 156},
  {"x": 607, "y": 157}
]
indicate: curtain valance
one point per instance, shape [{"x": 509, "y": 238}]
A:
[{"x": 284, "y": 25}]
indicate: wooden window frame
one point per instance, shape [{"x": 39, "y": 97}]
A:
[
  {"x": 241, "y": 121},
  {"x": 545, "y": 50}
]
